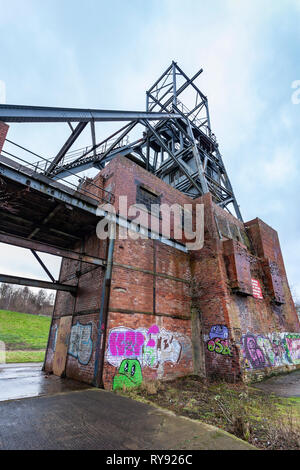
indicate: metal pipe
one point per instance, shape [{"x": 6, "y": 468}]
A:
[
  {"x": 103, "y": 314},
  {"x": 51, "y": 324}
]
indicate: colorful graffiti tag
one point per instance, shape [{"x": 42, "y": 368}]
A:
[
  {"x": 253, "y": 352},
  {"x": 53, "y": 338},
  {"x": 218, "y": 340},
  {"x": 272, "y": 350},
  {"x": 292, "y": 347},
  {"x": 219, "y": 346},
  {"x": 126, "y": 343},
  {"x": 218, "y": 331},
  {"x": 151, "y": 347},
  {"x": 81, "y": 344},
  {"x": 129, "y": 375}
]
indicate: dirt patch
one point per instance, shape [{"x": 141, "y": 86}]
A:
[{"x": 264, "y": 420}]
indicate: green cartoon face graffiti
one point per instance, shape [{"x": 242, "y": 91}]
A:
[{"x": 129, "y": 375}]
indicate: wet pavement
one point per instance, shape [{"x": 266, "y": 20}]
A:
[
  {"x": 40, "y": 411},
  {"x": 287, "y": 385},
  {"x": 100, "y": 420},
  {"x": 28, "y": 380}
]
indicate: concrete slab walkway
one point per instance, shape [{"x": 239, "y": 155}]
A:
[
  {"x": 287, "y": 385},
  {"x": 28, "y": 380},
  {"x": 102, "y": 420}
]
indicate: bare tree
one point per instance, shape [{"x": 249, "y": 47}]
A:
[
  {"x": 296, "y": 299},
  {"x": 24, "y": 300}
]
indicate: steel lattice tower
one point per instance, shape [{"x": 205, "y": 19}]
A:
[{"x": 177, "y": 143}]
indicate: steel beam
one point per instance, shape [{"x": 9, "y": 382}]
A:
[
  {"x": 45, "y": 221},
  {"x": 115, "y": 143},
  {"x": 93, "y": 134},
  {"x": 201, "y": 174},
  {"x": 18, "y": 219},
  {"x": 189, "y": 81},
  {"x": 23, "y": 281},
  {"x": 35, "y": 181},
  {"x": 50, "y": 249},
  {"x": 43, "y": 265},
  {"x": 182, "y": 166},
  {"x": 75, "y": 134},
  {"x": 83, "y": 165},
  {"x": 15, "y": 113}
]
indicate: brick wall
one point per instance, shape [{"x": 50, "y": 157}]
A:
[
  {"x": 3, "y": 132},
  {"x": 232, "y": 256},
  {"x": 172, "y": 313}
]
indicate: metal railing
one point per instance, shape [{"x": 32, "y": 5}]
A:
[{"x": 76, "y": 155}]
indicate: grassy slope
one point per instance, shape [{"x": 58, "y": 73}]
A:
[
  {"x": 25, "y": 336},
  {"x": 13, "y": 357}
]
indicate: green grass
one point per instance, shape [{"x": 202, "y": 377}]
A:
[
  {"x": 24, "y": 356},
  {"x": 22, "y": 331}
]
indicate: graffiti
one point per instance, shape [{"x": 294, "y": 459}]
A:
[
  {"x": 81, "y": 344},
  {"x": 149, "y": 356},
  {"x": 279, "y": 350},
  {"x": 271, "y": 350},
  {"x": 152, "y": 347},
  {"x": 245, "y": 364},
  {"x": 153, "y": 330},
  {"x": 218, "y": 331},
  {"x": 266, "y": 347},
  {"x": 292, "y": 346},
  {"x": 218, "y": 340},
  {"x": 53, "y": 338},
  {"x": 126, "y": 343},
  {"x": 129, "y": 375},
  {"x": 253, "y": 352},
  {"x": 219, "y": 346}
]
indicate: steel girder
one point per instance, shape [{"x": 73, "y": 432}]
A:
[
  {"x": 23, "y": 281},
  {"x": 15, "y": 113}
]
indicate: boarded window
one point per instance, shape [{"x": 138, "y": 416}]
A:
[{"x": 147, "y": 198}]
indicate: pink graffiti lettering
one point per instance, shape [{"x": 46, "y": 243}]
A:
[
  {"x": 128, "y": 343},
  {"x": 153, "y": 330}
]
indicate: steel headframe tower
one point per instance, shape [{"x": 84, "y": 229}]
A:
[
  {"x": 185, "y": 151},
  {"x": 177, "y": 145},
  {"x": 180, "y": 148}
]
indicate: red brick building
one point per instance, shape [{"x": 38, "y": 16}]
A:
[{"x": 223, "y": 311}]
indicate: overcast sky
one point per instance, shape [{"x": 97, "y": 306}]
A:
[{"x": 105, "y": 54}]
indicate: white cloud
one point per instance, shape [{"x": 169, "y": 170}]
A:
[
  {"x": 15, "y": 261},
  {"x": 281, "y": 168},
  {"x": 2, "y": 92}
]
